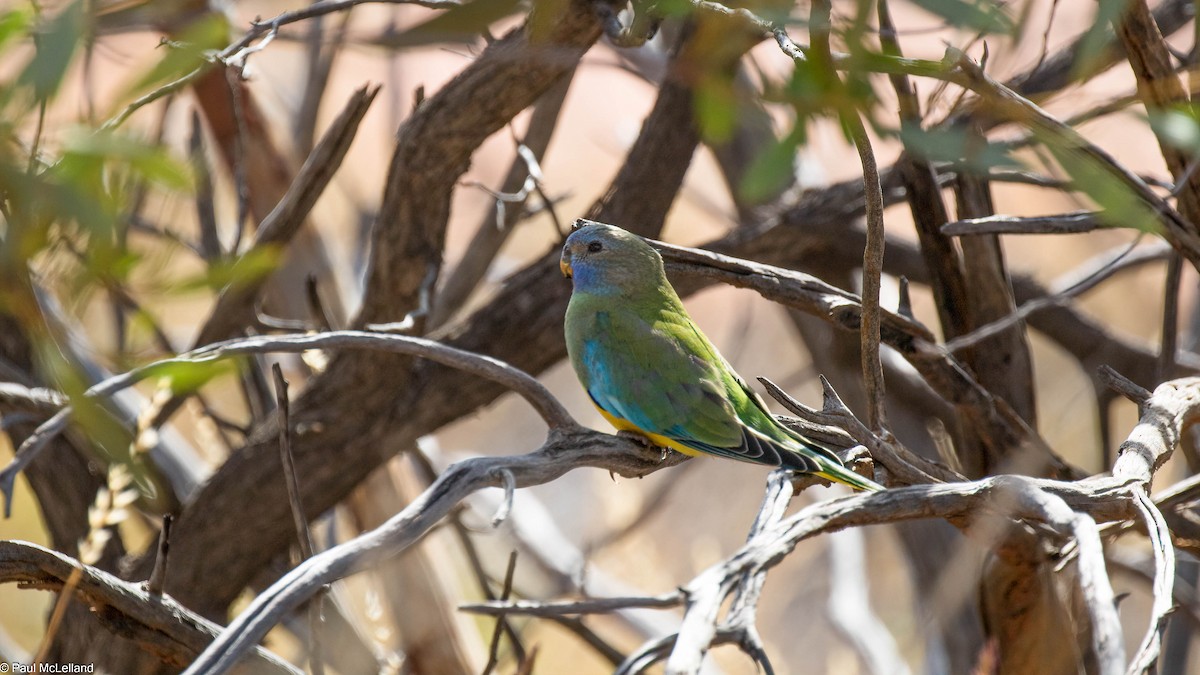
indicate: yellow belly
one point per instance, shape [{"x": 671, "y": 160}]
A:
[{"x": 657, "y": 439}]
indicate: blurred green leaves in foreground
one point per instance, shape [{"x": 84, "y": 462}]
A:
[{"x": 71, "y": 193}]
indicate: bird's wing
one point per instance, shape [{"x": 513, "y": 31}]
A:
[
  {"x": 798, "y": 451},
  {"x": 764, "y": 440},
  {"x": 665, "y": 378}
]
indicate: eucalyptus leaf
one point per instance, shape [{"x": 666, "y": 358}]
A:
[
  {"x": 978, "y": 15},
  {"x": 55, "y": 47}
]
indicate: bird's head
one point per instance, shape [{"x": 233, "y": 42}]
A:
[{"x": 599, "y": 257}]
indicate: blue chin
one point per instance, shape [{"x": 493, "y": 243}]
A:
[
  {"x": 583, "y": 276},
  {"x": 588, "y": 279}
]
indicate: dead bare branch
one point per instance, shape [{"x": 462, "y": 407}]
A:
[
  {"x": 157, "y": 623},
  {"x": 1065, "y": 223},
  {"x": 565, "y": 449},
  {"x": 551, "y": 410}
]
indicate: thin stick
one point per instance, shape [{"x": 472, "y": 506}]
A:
[
  {"x": 303, "y": 533},
  {"x": 241, "y": 183},
  {"x": 494, "y": 649},
  {"x": 872, "y": 367},
  {"x": 158, "y": 578},
  {"x": 499, "y": 608},
  {"x": 1122, "y": 385},
  {"x": 1163, "y": 584},
  {"x": 1170, "y": 321}
]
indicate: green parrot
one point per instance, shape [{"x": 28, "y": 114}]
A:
[{"x": 650, "y": 371}]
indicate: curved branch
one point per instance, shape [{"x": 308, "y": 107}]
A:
[
  {"x": 1163, "y": 584},
  {"x": 1070, "y": 508},
  {"x": 1098, "y": 498},
  {"x": 562, "y": 452},
  {"x": 553, "y": 412},
  {"x": 157, "y": 623}
]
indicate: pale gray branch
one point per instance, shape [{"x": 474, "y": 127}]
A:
[
  {"x": 1069, "y": 508},
  {"x": 1063, "y": 223},
  {"x": 1163, "y": 584},
  {"x": 156, "y": 622},
  {"x": 564, "y": 450},
  {"x": 590, "y": 606}
]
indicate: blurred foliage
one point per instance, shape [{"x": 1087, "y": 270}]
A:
[
  {"x": 1097, "y": 37},
  {"x": 1178, "y": 126},
  {"x": 956, "y": 146},
  {"x": 461, "y": 24},
  {"x": 68, "y": 196},
  {"x": 984, "y": 16},
  {"x": 189, "y": 50}
]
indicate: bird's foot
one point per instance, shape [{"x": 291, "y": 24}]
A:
[
  {"x": 636, "y": 437},
  {"x": 643, "y": 441}
]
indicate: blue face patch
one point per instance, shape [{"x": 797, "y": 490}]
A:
[
  {"x": 584, "y": 274},
  {"x": 590, "y": 277}
]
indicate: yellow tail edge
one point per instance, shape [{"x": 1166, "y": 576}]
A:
[{"x": 851, "y": 479}]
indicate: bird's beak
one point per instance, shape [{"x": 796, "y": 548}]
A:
[{"x": 564, "y": 263}]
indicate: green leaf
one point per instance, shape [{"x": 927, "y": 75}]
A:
[
  {"x": 1098, "y": 37},
  {"x": 108, "y": 439},
  {"x": 185, "y": 377},
  {"x": 1177, "y": 127},
  {"x": 149, "y": 162},
  {"x": 183, "y": 55},
  {"x": 773, "y": 169},
  {"x": 55, "y": 48},
  {"x": 58, "y": 195},
  {"x": 977, "y": 15},
  {"x": 716, "y": 108},
  {"x": 15, "y": 23},
  {"x": 1120, "y": 206},
  {"x": 463, "y": 23},
  {"x": 252, "y": 266},
  {"x": 811, "y": 91},
  {"x": 956, "y": 146}
]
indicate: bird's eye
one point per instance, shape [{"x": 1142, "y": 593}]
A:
[{"x": 595, "y": 247}]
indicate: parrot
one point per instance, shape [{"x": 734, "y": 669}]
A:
[{"x": 650, "y": 371}]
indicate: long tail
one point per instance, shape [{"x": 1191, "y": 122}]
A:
[
  {"x": 841, "y": 474},
  {"x": 819, "y": 461}
]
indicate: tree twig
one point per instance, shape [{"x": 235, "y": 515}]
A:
[
  {"x": 568, "y": 607},
  {"x": 159, "y": 624},
  {"x": 564, "y": 450},
  {"x": 1063, "y": 223},
  {"x": 303, "y": 533},
  {"x": 159, "y": 577},
  {"x": 1163, "y": 584},
  {"x": 534, "y": 392},
  {"x": 505, "y": 593}
]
